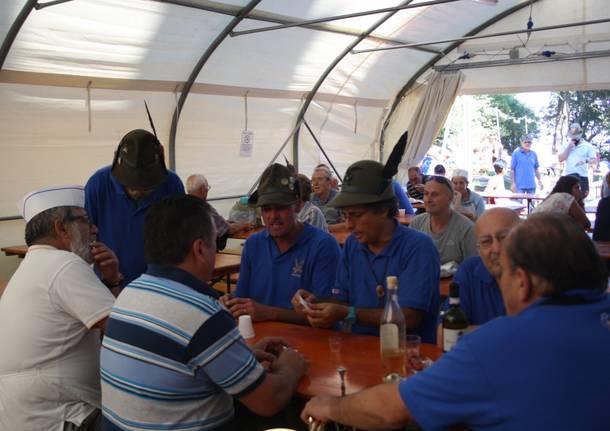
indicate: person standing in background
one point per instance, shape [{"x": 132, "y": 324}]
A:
[{"x": 578, "y": 154}]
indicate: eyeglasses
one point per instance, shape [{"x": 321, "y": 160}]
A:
[
  {"x": 487, "y": 241},
  {"x": 441, "y": 180},
  {"x": 352, "y": 215}
]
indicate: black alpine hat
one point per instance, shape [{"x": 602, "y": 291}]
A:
[
  {"x": 370, "y": 182},
  {"x": 138, "y": 161}
]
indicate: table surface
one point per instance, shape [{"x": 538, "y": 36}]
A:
[
  {"x": 508, "y": 195},
  {"x": 225, "y": 264},
  {"x": 359, "y": 354}
]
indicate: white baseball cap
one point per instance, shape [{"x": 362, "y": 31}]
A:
[
  {"x": 41, "y": 200},
  {"x": 459, "y": 173}
]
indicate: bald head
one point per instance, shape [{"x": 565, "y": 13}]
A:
[
  {"x": 197, "y": 185},
  {"x": 490, "y": 230}
]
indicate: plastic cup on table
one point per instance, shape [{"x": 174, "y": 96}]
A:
[
  {"x": 245, "y": 327},
  {"x": 401, "y": 212},
  {"x": 412, "y": 345}
]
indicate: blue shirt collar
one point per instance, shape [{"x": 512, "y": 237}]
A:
[
  {"x": 302, "y": 238},
  {"x": 399, "y": 231},
  {"x": 586, "y": 295},
  {"x": 181, "y": 276},
  {"x": 482, "y": 273}
]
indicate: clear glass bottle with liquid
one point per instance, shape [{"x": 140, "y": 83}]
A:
[
  {"x": 455, "y": 322},
  {"x": 392, "y": 334}
]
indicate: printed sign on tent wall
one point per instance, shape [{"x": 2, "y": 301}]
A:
[{"x": 247, "y": 142}]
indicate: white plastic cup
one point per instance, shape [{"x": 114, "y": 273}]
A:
[
  {"x": 401, "y": 212},
  {"x": 245, "y": 326}
]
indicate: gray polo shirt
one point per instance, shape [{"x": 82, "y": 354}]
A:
[{"x": 456, "y": 242}]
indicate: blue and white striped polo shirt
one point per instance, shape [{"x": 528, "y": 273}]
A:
[{"x": 172, "y": 357}]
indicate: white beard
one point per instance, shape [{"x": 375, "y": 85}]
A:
[{"x": 79, "y": 245}]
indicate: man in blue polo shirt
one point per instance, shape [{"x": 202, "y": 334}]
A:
[
  {"x": 478, "y": 276},
  {"x": 118, "y": 196},
  {"x": 523, "y": 167},
  {"x": 544, "y": 366},
  {"x": 172, "y": 356},
  {"x": 378, "y": 247},
  {"x": 287, "y": 256}
]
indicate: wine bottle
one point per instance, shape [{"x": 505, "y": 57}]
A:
[
  {"x": 455, "y": 321},
  {"x": 392, "y": 334}
]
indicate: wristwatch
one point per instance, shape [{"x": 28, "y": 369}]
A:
[
  {"x": 351, "y": 316},
  {"x": 113, "y": 285}
]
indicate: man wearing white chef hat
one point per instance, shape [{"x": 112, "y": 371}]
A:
[{"x": 49, "y": 313}]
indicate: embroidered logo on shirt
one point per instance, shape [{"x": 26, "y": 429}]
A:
[{"x": 297, "y": 269}]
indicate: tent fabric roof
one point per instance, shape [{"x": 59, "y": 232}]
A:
[{"x": 77, "y": 72}]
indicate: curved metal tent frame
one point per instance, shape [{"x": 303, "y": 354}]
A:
[
  {"x": 243, "y": 13},
  {"x": 431, "y": 63}
]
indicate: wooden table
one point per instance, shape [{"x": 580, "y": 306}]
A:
[
  {"x": 245, "y": 234},
  {"x": 225, "y": 264},
  {"x": 15, "y": 250},
  {"x": 603, "y": 248},
  {"x": 516, "y": 207},
  {"x": 443, "y": 286},
  {"x": 528, "y": 197},
  {"x": 359, "y": 354}
]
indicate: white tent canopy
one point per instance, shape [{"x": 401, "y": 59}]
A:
[{"x": 77, "y": 72}]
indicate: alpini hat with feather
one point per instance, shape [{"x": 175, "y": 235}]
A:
[{"x": 368, "y": 181}]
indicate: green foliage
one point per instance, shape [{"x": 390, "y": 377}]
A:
[
  {"x": 510, "y": 132},
  {"x": 591, "y": 109}
]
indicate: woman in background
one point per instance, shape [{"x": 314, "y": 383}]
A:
[{"x": 566, "y": 198}]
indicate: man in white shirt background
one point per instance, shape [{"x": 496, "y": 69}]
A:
[{"x": 578, "y": 154}]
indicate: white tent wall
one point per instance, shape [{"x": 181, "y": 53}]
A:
[{"x": 146, "y": 50}]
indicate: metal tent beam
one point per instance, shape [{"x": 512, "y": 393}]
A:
[
  {"x": 486, "y": 36},
  {"x": 322, "y": 78},
  {"x": 14, "y": 30},
  {"x": 525, "y": 60},
  {"x": 191, "y": 80},
  {"x": 231, "y": 10},
  {"x": 339, "y": 17},
  {"x": 432, "y": 62}
]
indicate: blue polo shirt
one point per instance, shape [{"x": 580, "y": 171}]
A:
[
  {"x": 545, "y": 368},
  {"x": 119, "y": 222},
  {"x": 272, "y": 278},
  {"x": 172, "y": 356},
  {"x": 412, "y": 257},
  {"x": 401, "y": 197},
  {"x": 524, "y": 164},
  {"x": 480, "y": 296}
]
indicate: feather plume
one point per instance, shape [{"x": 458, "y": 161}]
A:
[{"x": 391, "y": 166}]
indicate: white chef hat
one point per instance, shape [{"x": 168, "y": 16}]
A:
[
  {"x": 41, "y": 200},
  {"x": 459, "y": 173}
]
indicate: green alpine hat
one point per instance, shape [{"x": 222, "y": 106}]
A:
[
  {"x": 277, "y": 187},
  {"x": 138, "y": 161},
  {"x": 364, "y": 183}
]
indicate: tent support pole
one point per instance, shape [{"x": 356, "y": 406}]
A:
[
  {"x": 322, "y": 78},
  {"x": 243, "y": 13},
  {"x": 447, "y": 50},
  {"x": 486, "y": 36},
  {"x": 231, "y": 10},
  {"x": 339, "y": 17},
  {"x": 14, "y": 30},
  {"x": 40, "y": 6},
  {"x": 322, "y": 149}
]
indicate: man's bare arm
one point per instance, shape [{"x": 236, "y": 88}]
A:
[{"x": 379, "y": 407}]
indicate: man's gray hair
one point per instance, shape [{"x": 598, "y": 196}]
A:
[
  {"x": 42, "y": 225},
  {"x": 194, "y": 182}
]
